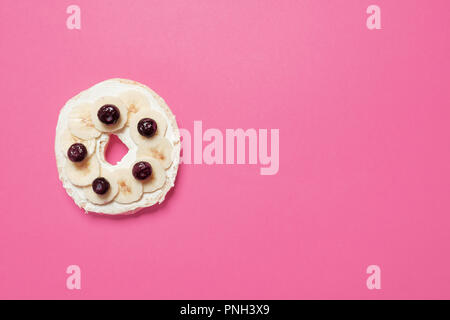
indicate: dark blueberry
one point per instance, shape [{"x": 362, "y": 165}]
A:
[
  {"x": 77, "y": 152},
  {"x": 142, "y": 170},
  {"x": 108, "y": 114},
  {"x": 147, "y": 127},
  {"x": 100, "y": 185}
]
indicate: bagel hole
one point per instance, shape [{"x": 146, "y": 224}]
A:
[{"x": 115, "y": 150}]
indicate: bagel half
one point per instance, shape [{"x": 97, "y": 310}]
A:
[{"x": 77, "y": 124}]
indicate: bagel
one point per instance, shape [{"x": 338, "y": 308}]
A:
[{"x": 143, "y": 122}]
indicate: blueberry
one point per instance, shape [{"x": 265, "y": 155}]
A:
[
  {"x": 100, "y": 185},
  {"x": 142, "y": 170},
  {"x": 108, "y": 114},
  {"x": 77, "y": 152},
  {"x": 147, "y": 127}
]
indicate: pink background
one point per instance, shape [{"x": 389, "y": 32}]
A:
[{"x": 364, "y": 149}]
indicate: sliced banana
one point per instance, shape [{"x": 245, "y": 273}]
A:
[
  {"x": 80, "y": 122},
  {"x": 82, "y": 173},
  {"x": 160, "y": 131},
  {"x": 130, "y": 190},
  {"x": 158, "y": 177},
  {"x": 67, "y": 139},
  {"x": 109, "y": 195},
  {"x": 161, "y": 150},
  {"x": 109, "y": 127},
  {"x": 135, "y": 102}
]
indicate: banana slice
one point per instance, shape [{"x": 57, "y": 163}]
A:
[
  {"x": 130, "y": 189},
  {"x": 158, "y": 177},
  {"x": 135, "y": 102},
  {"x": 82, "y": 173},
  {"x": 160, "y": 131},
  {"x": 67, "y": 139},
  {"x": 109, "y": 127},
  {"x": 161, "y": 150},
  {"x": 80, "y": 122},
  {"x": 109, "y": 195}
]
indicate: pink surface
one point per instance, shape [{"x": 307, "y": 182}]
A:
[{"x": 364, "y": 149}]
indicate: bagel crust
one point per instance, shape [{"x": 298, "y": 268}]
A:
[{"x": 113, "y": 88}]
